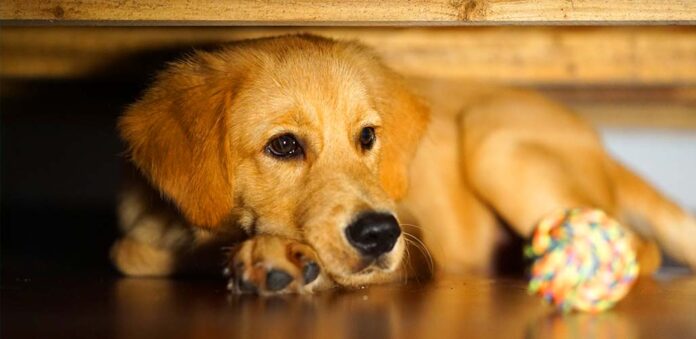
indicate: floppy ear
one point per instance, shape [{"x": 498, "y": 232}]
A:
[
  {"x": 404, "y": 120},
  {"x": 178, "y": 136}
]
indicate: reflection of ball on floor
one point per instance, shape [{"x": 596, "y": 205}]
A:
[{"x": 583, "y": 260}]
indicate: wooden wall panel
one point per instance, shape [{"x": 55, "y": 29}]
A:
[{"x": 516, "y": 55}]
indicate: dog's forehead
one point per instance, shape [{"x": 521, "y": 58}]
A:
[
  {"x": 326, "y": 79},
  {"x": 327, "y": 89}
]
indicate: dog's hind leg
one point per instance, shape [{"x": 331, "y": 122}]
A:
[
  {"x": 527, "y": 157},
  {"x": 157, "y": 241},
  {"x": 654, "y": 216}
]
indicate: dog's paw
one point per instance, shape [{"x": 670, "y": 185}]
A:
[{"x": 269, "y": 265}]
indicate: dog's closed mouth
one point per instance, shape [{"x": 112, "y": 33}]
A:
[{"x": 368, "y": 266}]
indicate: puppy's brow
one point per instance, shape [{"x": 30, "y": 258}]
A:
[{"x": 296, "y": 119}]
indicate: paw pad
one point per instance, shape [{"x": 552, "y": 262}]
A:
[
  {"x": 277, "y": 280},
  {"x": 310, "y": 272}
]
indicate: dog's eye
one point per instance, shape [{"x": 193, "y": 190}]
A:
[
  {"x": 367, "y": 138},
  {"x": 284, "y": 147}
]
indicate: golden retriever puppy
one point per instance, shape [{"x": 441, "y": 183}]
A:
[{"x": 306, "y": 156}]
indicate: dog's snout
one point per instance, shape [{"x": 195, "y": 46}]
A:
[{"x": 373, "y": 234}]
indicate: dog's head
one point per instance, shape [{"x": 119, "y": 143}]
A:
[{"x": 298, "y": 136}]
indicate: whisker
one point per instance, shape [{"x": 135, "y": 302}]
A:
[
  {"x": 422, "y": 248},
  {"x": 405, "y": 264},
  {"x": 411, "y": 270},
  {"x": 419, "y": 244},
  {"x": 410, "y": 264},
  {"x": 411, "y": 225}
]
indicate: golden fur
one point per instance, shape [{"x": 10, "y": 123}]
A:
[{"x": 474, "y": 155}]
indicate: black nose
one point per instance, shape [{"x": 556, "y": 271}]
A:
[{"x": 373, "y": 234}]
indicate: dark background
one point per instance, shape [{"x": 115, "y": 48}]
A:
[
  {"x": 60, "y": 172},
  {"x": 61, "y": 166}
]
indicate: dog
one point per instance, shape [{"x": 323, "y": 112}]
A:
[{"x": 314, "y": 165}]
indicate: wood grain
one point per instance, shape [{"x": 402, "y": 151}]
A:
[
  {"x": 510, "y": 55},
  {"x": 303, "y": 12}
]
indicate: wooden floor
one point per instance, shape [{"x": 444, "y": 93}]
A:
[{"x": 105, "y": 306}]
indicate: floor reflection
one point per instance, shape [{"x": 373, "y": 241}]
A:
[
  {"x": 453, "y": 308},
  {"x": 608, "y": 325}
]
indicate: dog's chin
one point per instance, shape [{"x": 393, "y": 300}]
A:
[{"x": 381, "y": 270}]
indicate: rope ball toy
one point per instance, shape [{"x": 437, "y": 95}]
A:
[{"x": 582, "y": 260}]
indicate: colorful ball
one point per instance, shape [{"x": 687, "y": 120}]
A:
[{"x": 583, "y": 260}]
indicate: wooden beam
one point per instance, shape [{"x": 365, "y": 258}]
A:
[
  {"x": 510, "y": 55},
  {"x": 330, "y": 12}
]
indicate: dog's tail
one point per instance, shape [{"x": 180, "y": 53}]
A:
[{"x": 653, "y": 216}]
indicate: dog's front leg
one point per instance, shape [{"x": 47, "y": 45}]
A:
[{"x": 267, "y": 265}]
